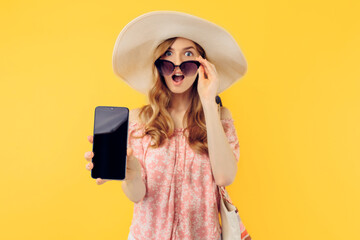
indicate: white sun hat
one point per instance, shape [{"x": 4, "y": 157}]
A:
[{"x": 135, "y": 45}]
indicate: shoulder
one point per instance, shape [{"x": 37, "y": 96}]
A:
[
  {"x": 225, "y": 113},
  {"x": 134, "y": 115}
]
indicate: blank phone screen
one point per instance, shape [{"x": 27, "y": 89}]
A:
[{"x": 110, "y": 142}]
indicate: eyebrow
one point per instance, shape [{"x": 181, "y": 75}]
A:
[{"x": 183, "y": 48}]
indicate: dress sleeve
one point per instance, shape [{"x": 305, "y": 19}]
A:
[
  {"x": 230, "y": 132},
  {"x": 136, "y": 129}
]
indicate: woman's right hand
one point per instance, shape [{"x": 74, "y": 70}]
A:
[{"x": 133, "y": 167}]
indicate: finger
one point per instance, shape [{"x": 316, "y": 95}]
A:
[
  {"x": 208, "y": 67},
  {"x": 201, "y": 72},
  {"x": 100, "y": 181},
  {"x": 204, "y": 68},
  {"x": 203, "y": 62},
  {"x": 212, "y": 66},
  {"x": 90, "y": 139},
  {"x": 129, "y": 152},
  {"x": 89, "y": 166},
  {"x": 89, "y": 155}
]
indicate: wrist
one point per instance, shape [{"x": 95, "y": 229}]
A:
[
  {"x": 134, "y": 178},
  {"x": 209, "y": 105}
]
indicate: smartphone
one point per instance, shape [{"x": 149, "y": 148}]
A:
[{"x": 110, "y": 142}]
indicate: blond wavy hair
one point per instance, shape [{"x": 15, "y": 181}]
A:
[{"x": 158, "y": 122}]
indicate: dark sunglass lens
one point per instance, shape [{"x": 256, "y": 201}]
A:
[
  {"x": 167, "y": 68},
  {"x": 189, "y": 68}
]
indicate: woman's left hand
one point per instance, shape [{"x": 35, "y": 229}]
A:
[{"x": 208, "y": 82}]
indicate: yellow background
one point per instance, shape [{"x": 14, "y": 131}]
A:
[{"x": 296, "y": 113}]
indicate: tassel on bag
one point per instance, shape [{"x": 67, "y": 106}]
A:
[{"x": 231, "y": 224}]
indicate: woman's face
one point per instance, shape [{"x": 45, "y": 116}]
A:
[{"x": 181, "y": 50}]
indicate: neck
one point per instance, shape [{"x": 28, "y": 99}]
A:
[{"x": 180, "y": 102}]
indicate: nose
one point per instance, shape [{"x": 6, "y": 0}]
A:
[
  {"x": 177, "y": 64},
  {"x": 177, "y": 60},
  {"x": 177, "y": 69}
]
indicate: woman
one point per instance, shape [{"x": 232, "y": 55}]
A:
[{"x": 179, "y": 147}]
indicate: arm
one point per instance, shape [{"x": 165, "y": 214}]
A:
[
  {"x": 133, "y": 186},
  {"x": 134, "y": 189},
  {"x": 222, "y": 158}
]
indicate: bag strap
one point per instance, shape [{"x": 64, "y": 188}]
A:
[{"x": 225, "y": 196}]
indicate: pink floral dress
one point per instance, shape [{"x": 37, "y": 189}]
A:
[{"x": 182, "y": 199}]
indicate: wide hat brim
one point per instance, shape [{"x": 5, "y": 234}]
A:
[{"x": 134, "y": 47}]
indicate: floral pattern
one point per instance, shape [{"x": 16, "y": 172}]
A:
[{"x": 182, "y": 199}]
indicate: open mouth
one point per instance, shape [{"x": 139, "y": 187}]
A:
[{"x": 178, "y": 78}]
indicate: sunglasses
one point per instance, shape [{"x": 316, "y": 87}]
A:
[{"x": 166, "y": 67}]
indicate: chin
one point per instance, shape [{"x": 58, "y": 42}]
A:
[{"x": 180, "y": 89}]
